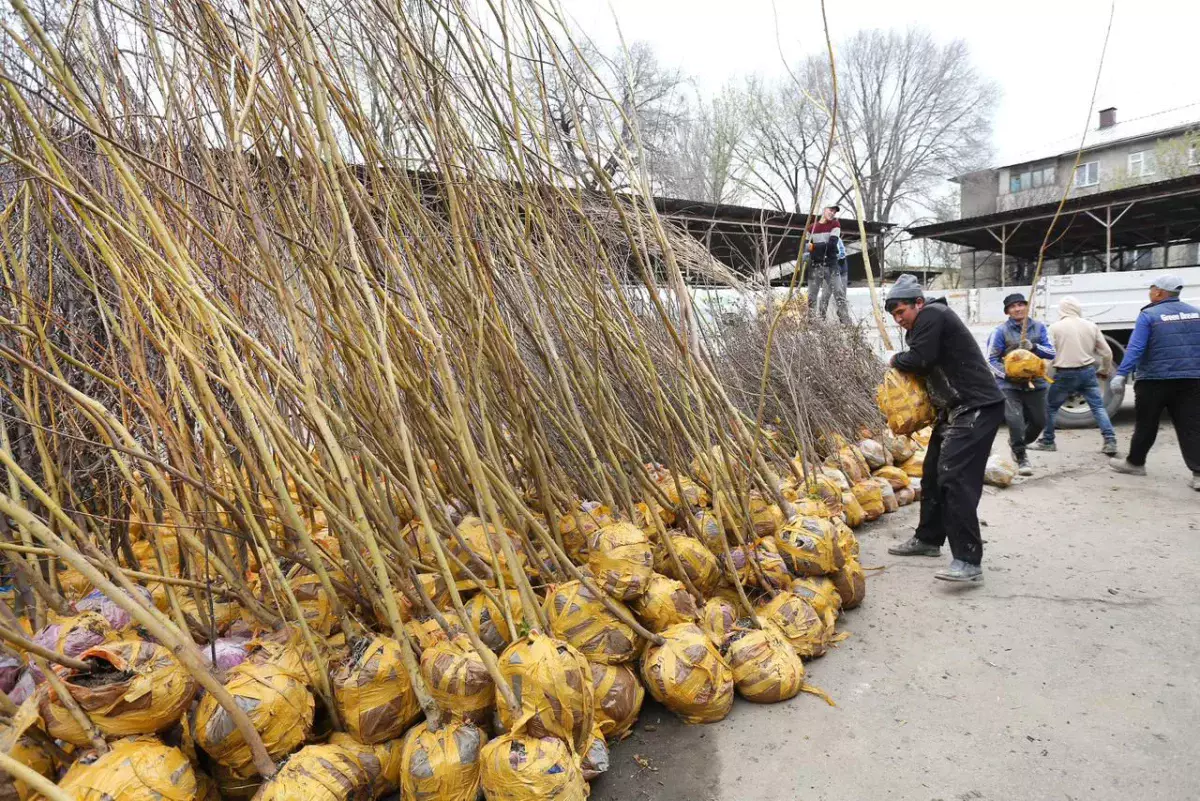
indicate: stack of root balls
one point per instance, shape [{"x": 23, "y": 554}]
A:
[{"x": 513, "y": 686}]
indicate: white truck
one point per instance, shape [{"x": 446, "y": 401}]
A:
[{"x": 1111, "y": 300}]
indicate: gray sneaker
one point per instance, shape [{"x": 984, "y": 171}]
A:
[
  {"x": 1042, "y": 445},
  {"x": 960, "y": 571},
  {"x": 1122, "y": 466},
  {"x": 1023, "y": 466},
  {"x": 1196, "y": 481},
  {"x": 915, "y": 547},
  {"x": 1110, "y": 447}
]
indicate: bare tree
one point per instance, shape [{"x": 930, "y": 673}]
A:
[{"x": 702, "y": 161}]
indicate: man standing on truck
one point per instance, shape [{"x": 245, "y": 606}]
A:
[
  {"x": 969, "y": 411},
  {"x": 825, "y": 238},
  {"x": 1164, "y": 350},
  {"x": 1024, "y": 400},
  {"x": 1078, "y": 344}
]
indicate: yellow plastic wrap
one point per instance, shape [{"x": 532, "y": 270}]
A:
[
  {"x": 852, "y": 510},
  {"x": 134, "y": 769},
  {"x": 905, "y": 496},
  {"x": 427, "y": 632},
  {"x": 766, "y": 669},
  {"x": 618, "y": 697},
  {"x": 894, "y": 476},
  {"x": 698, "y": 563},
  {"x": 458, "y": 680},
  {"x": 803, "y": 506},
  {"x": 771, "y": 572},
  {"x": 1023, "y": 365},
  {"x": 666, "y": 603},
  {"x": 693, "y": 495},
  {"x": 717, "y": 619},
  {"x": 710, "y": 531},
  {"x": 821, "y": 594},
  {"x": 851, "y": 583},
  {"x": 487, "y": 619},
  {"x": 30, "y": 754},
  {"x": 579, "y": 525},
  {"x": 921, "y": 438},
  {"x": 434, "y": 586},
  {"x": 371, "y": 758},
  {"x": 287, "y": 650},
  {"x": 580, "y": 618},
  {"x": 999, "y": 472},
  {"x": 442, "y": 765},
  {"x": 824, "y": 489},
  {"x": 765, "y": 517},
  {"x": 873, "y": 451},
  {"x": 645, "y": 522},
  {"x": 890, "y": 504},
  {"x": 900, "y": 447},
  {"x": 374, "y": 695},
  {"x": 688, "y": 675},
  {"x": 279, "y": 705},
  {"x": 621, "y": 560},
  {"x": 319, "y": 773},
  {"x": 553, "y": 685},
  {"x": 518, "y": 767},
  {"x": 314, "y": 602},
  {"x": 71, "y": 635},
  {"x": 137, "y": 687},
  {"x": 834, "y": 474},
  {"x": 904, "y": 402},
  {"x": 594, "y": 761},
  {"x": 914, "y": 467},
  {"x": 481, "y": 540},
  {"x": 808, "y": 546},
  {"x": 870, "y": 498},
  {"x": 849, "y": 459},
  {"x": 799, "y": 622},
  {"x": 846, "y": 541}
]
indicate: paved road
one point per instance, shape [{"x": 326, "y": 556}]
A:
[{"x": 1073, "y": 673}]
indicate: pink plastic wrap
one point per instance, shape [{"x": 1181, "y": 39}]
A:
[
  {"x": 118, "y": 618},
  {"x": 231, "y": 652},
  {"x": 24, "y": 688},
  {"x": 84, "y": 631},
  {"x": 10, "y": 671}
]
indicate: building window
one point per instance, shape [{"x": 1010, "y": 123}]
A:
[
  {"x": 1087, "y": 174},
  {"x": 1141, "y": 164},
  {"x": 1020, "y": 180}
]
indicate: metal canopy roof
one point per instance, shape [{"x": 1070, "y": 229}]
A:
[
  {"x": 1145, "y": 215},
  {"x": 745, "y": 238}
]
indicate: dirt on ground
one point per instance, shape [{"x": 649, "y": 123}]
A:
[{"x": 1073, "y": 672}]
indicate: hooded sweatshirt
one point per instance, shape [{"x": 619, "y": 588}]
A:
[{"x": 1078, "y": 342}]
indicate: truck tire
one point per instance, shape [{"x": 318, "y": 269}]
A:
[{"x": 1075, "y": 412}]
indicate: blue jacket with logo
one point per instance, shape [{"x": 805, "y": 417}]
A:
[
  {"x": 1165, "y": 342},
  {"x": 1007, "y": 338}
]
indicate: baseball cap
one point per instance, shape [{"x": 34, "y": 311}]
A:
[{"x": 1168, "y": 283}]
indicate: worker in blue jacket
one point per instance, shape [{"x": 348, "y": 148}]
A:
[
  {"x": 1024, "y": 401},
  {"x": 1164, "y": 355}
]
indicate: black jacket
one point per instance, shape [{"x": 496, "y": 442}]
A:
[{"x": 942, "y": 349}]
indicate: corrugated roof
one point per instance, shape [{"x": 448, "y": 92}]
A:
[{"x": 1135, "y": 128}]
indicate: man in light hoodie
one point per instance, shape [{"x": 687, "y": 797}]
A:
[{"x": 1082, "y": 356}]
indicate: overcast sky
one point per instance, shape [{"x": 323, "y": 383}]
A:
[{"x": 1042, "y": 53}]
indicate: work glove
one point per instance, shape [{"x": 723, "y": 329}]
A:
[
  {"x": 1117, "y": 385},
  {"x": 1026, "y": 344}
]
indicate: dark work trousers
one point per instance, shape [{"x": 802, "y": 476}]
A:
[
  {"x": 953, "y": 482},
  {"x": 1179, "y": 396},
  {"x": 1025, "y": 414}
]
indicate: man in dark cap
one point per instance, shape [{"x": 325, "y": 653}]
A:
[
  {"x": 969, "y": 411},
  {"x": 1164, "y": 350},
  {"x": 1025, "y": 400}
]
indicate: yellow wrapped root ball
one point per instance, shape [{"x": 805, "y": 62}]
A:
[
  {"x": 717, "y": 619},
  {"x": 442, "y": 765},
  {"x": 688, "y": 675},
  {"x": 1024, "y": 365},
  {"x": 693, "y": 494},
  {"x": 698, "y": 562},
  {"x": 134, "y": 769},
  {"x": 904, "y": 402},
  {"x": 799, "y": 622},
  {"x": 894, "y": 476},
  {"x": 486, "y": 619},
  {"x": 314, "y": 602},
  {"x": 458, "y": 680},
  {"x": 594, "y": 760},
  {"x": 870, "y": 498},
  {"x": 851, "y": 583},
  {"x": 761, "y": 566},
  {"x": 135, "y": 687},
  {"x": 580, "y": 618},
  {"x": 823, "y": 489},
  {"x": 372, "y": 757},
  {"x": 427, "y": 632},
  {"x": 373, "y": 693},
  {"x": 621, "y": 560},
  {"x": 847, "y": 543},
  {"x": 852, "y": 510},
  {"x": 482, "y": 540},
  {"x": 710, "y": 532},
  {"x": 821, "y": 594},
  {"x": 286, "y": 650},
  {"x": 519, "y": 767},
  {"x": 808, "y": 546},
  {"x": 766, "y": 669},
  {"x": 278, "y": 704},
  {"x": 665, "y": 603},
  {"x": 553, "y": 685},
  {"x": 579, "y": 525},
  {"x": 915, "y": 466},
  {"x": 618, "y": 697},
  {"x": 319, "y": 773},
  {"x": 29, "y": 753}
]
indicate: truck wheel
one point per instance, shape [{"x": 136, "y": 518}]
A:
[{"x": 1075, "y": 412}]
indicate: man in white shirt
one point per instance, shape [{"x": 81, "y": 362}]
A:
[{"x": 1078, "y": 346}]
